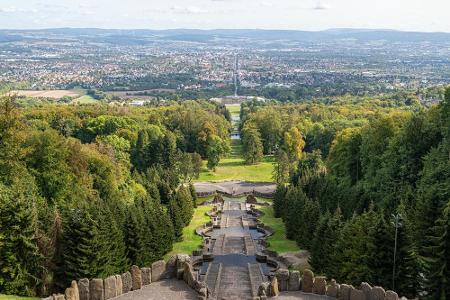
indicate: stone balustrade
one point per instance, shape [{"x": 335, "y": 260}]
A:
[
  {"x": 285, "y": 280},
  {"x": 178, "y": 266}
]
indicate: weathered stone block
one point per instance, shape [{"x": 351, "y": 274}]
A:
[
  {"x": 58, "y": 297},
  {"x": 390, "y": 295},
  {"x": 158, "y": 269},
  {"x": 264, "y": 289},
  {"x": 283, "y": 279},
  {"x": 146, "y": 276},
  {"x": 83, "y": 287},
  {"x": 345, "y": 292},
  {"x": 136, "y": 278},
  {"x": 294, "y": 281},
  {"x": 320, "y": 285},
  {"x": 367, "y": 289},
  {"x": 333, "y": 289},
  {"x": 171, "y": 268},
  {"x": 307, "y": 281},
  {"x": 110, "y": 286},
  {"x": 181, "y": 260},
  {"x": 119, "y": 285},
  {"x": 357, "y": 294},
  {"x": 70, "y": 294},
  {"x": 377, "y": 293},
  {"x": 127, "y": 283},
  {"x": 188, "y": 276},
  {"x": 274, "y": 291},
  {"x": 96, "y": 289}
]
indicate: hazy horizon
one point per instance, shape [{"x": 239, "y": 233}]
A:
[{"x": 308, "y": 15}]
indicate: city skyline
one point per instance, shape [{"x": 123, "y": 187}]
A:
[{"x": 415, "y": 15}]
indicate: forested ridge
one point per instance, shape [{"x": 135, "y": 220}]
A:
[
  {"x": 358, "y": 172},
  {"x": 88, "y": 191}
]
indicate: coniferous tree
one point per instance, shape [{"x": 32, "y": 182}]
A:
[
  {"x": 19, "y": 254},
  {"x": 436, "y": 259}
]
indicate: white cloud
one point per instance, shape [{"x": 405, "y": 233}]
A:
[
  {"x": 190, "y": 10},
  {"x": 321, "y": 6}
]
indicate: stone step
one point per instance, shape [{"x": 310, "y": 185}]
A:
[
  {"x": 249, "y": 244},
  {"x": 256, "y": 277},
  {"x": 235, "y": 283},
  {"x": 219, "y": 245},
  {"x": 234, "y": 245},
  {"x": 213, "y": 277}
]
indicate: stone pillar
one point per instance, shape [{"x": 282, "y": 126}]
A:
[
  {"x": 294, "y": 281},
  {"x": 333, "y": 289},
  {"x": 110, "y": 287},
  {"x": 146, "y": 276},
  {"x": 96, "y": 290},
  {"x": 283, "y": 279},
  {"x": 136, "y": 278},
  {"x": 158, "y": 269},
  {"x": 307, "y": 281},
  {"x": 83, "y": 287},
  {"x": 320, "y": 285},
  {"x": 127, "y": 284}
]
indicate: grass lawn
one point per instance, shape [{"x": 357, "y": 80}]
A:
[
  {"x": 234, "y": 167},
  {"x": 86, "y": 99},
  {"x": 278, "y": 241},
  {"x": 234, "y": 109},
  {"x": 191, "y": 241},
  {"x": 6, "y": 297}
]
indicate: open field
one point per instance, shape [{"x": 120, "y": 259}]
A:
[
  {"x": 191, "y": 241},
  {"x": 278, "y": 241},
  {"x": 54, "y": 94},
  {"x": 86, "y": 99}
]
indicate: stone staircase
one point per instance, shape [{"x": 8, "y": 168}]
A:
[
  {"x": 213, "y": 277},
  {"x": 249, "y": 244},
  {"x": 256, "y": 277},
  {"x": 234, "y": 245},
  {"x": 234, "y": 283}
]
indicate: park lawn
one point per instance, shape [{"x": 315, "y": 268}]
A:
[
  {"x": 86, "y": 99},
  {"x": 7, "y": 297},
  {"x": 278, "y": 241},
  {"x": 234, "y": 109},
  {"x": 234, "y": 168},
  {"x": 191, "y": 241}
]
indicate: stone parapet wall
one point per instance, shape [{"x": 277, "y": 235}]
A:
[
  {"x": 285, "y": 280},
  {"x": 178, "y": 266}
]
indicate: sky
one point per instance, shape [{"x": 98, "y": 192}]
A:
[{"x": 411, "y": 15}]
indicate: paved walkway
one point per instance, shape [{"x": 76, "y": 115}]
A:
[
  {"x": 235, "y": 187},
  {"x": 172, "y": 289}
]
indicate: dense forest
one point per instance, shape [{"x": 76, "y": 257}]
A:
[
  {"x": 88, "y": 191},
  {"x": 360, "y": 181}
]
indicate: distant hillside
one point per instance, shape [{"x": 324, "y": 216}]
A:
[{"x": 143, "y": 35}]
